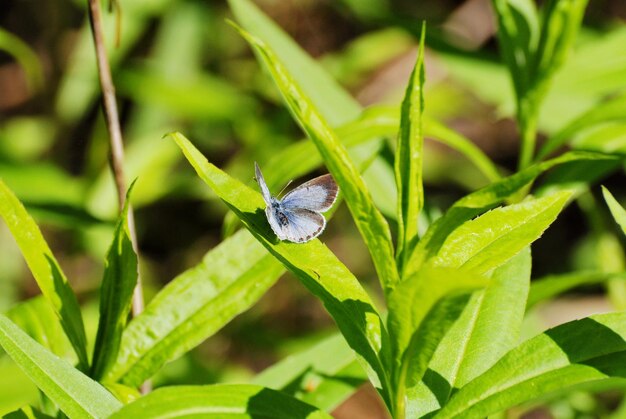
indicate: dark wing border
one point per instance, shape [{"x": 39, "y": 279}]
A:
[{"x": 329, "y": 185}]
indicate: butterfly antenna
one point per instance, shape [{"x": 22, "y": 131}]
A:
[{"x": 284, "y": 187}]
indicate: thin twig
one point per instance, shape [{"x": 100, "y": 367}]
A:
[{"x": 115, "y": 135}]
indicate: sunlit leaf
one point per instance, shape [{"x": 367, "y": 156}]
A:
[
  {"x": 331, "y": 100},
  {"x": 323, "y": 91},
  {"x": 76, "y": 394},
  {"x": 219, "y": 401},
  {"x": 547, "y": 287},
  {"x": 311, "y": 262},
  {"x": 27, "y": 412},
  {"x": 324, "y": 374},
  {"x": 618, "y": 212},
  {"x": 578, "y": 353},
  {"x": 613, "y": 109},
  {"x": 488, "y": 328},
  {"x": 193, "y": 306},
  {"x": 409, "y": 159},
  {"x": 37, "y": 318},
  {"x": 486, "y": 198},
  {"x": 493, "y": 238},
  {"x": 116, "y": 294},
  {"x": 45, "y": 269},
  {"x": 417, "y": 329},
  {"x": 370, "y": 222}
]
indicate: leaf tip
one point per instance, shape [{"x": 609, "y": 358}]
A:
[{"x": 423, "y": 34}]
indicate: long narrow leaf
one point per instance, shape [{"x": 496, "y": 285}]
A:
[
  {"x": 332, "y": 101},
  {"x": 337, "y": 106},
  {"x": 560, "y": 22},
  {"x": 77, "y": 395},
  {"x": 497, "y": 321},
  {"x": 463, "y": 145},
  {"x": 488, "y": 328},
  {"x": 417, "y": 328},
  {"x": 193, "y": 306},
  {"x": 37, "y": 318},
  {"x": 518, "y": 32},
  {"x": 581, "y": 352},
  {"x": 493, "y": 238},
  {"x": 116, "y": 293},
  {"x": 323, "y": 375},
  {"x": 550, "y": 286},
  {"x": 300, "y": 158},
  {"x": 219, "y": 401},
  {"x": 312, "y": 263},
  {"x": 45, "y": 269},
  {"x": 484, "y": 199},
  {"x": 618, "y": 212},
  {"x": 27, "y": 412},
  {"x": 409, "y": 159},
  {"x": 613, "y": 109},
  {"x": 369, "y": 220}
]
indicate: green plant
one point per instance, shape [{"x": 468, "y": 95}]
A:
[{"x": 456, "y": 294}]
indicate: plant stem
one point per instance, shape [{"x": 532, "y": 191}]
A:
[
  {"x": 527, "y": 123},
  {"x": 115, "y": 134}
]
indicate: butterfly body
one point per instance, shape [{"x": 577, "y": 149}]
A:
[{"x": 297, "y": 217}]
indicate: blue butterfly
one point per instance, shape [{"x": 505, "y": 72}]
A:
[{"x": 297, "y": 216}]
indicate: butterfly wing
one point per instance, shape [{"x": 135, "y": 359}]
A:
[
  {"x": 296, "y": 225},
  {"x": 317, "y": 195},
  {"x": 265, "y": 191}
]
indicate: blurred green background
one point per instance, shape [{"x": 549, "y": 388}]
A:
[{"x": 180, "y": 67}]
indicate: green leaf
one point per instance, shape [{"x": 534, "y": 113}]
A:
[
  {"x": 219, "y": 401},
  {"x": 416, "y": 329},
  {"x": 576, "y": 177},
  {"x": 311, "y": 262},
  {"x": 484, "y": 199},
  {"x": 493, "y": 238},
  {"x": 116, "y": 294},
  {"x": 610, "y": 110},
  {"x": 606, "y": 138},
  {"x": 409, "y": 159},
  {"x": 370, "y": 222},
  {"x": 560, "y": 22},
  {"x": 333, "y": 102},
  {"x": 618, "y": 212},
  {"x": 533, "y": 56},
  {"x": 76, "y": 394},
  {"x": 463, "y": 145},
  {"x": 45, "y": 269},
  {"x": 550, "y": 286},
  {"x": 578, "y": 353},
  {"x": 193, "y": 306},
  {"x": 37, "y": 318},
  {"x": 337, "y": 106},
  {"x": 26, "y": 412},
  {"x": 28, "y": 59},
  {"x": 302, "y": 157},
  {"x": 202, "y": 97},
  {"x": 19, "y": 390},
  {"x": 488, "y": 328},
  {"x": 323, "y": 375},
  {"x": 496, "y": 318},
  {"x": 518, "y": 31}
]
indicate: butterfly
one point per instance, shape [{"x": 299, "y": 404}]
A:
[{"x": 297, "y": 216}]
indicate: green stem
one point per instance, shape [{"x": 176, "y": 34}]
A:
[
  {"x": 399, "y": 395},
  {"x": 399, "y": 410},
  {"x": 527, "y": 122}
]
